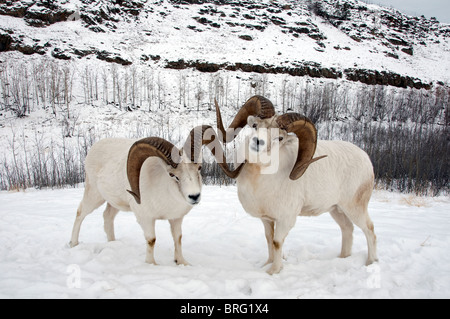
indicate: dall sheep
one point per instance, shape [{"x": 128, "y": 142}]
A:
[
  {"x": 150, "y": 177},
  {"x": 303, "y": 177}
]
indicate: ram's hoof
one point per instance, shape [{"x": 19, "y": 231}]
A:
[
  {"x": 274, "y": 269},
  {"x": 71, "y": 245},
  {"x": 182, "y": 262}
]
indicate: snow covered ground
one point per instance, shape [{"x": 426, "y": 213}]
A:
[{"x": 226, "y": 248}]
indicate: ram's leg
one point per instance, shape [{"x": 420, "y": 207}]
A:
[
  {"x": 148, "y": 226},
  {"x": 108, "y": 216},
  {"x": 371, "y": 242},
  {"x": 282, "y": 228},
  {"x": 91, "y": 201},
  {"x": 360, "y": 217},
  {"x": 346, "y": 226},
  {"x": 269, "y": 231},
  {"x": 366, "y": 224},
  {"x": 175, "y": 227}
]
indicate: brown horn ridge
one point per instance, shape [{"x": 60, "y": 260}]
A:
[
  {"x": 206, "y": 135},
  {"x": 307, "y": 141},
  {"x": 257, "y": 106},
  {"x": 139, "y": 152}
]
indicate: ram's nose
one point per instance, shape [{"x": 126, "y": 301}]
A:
[{"x": 194, "y": 198}]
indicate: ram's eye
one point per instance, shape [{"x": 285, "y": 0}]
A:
[
  {"x": 199, "y": 168},
  {"x": 280, "y": 138},
  {"x": 255, "y": 126},
  {"x": 174, "y": 176}
]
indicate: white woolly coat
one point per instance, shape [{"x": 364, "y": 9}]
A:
[
  {"x": 106, "y": 169},
  {"x": 334, "y": 180}
]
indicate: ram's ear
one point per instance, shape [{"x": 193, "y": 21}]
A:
[{"x": 252, "y": 120}]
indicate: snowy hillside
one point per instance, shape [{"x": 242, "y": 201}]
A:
[
  {"x": 226, "y": 248},
  {"x": 331, "y": 38}
]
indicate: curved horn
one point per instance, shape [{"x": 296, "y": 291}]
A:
[
  {"x": 139, "y": 152},
  {"x": 307, "y": 141},
  {"x": 206, "y": 135},
  {"x": 256, "y": 106}
]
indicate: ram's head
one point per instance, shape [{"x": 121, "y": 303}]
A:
[
  {"x": 183, "y": 166},
  {"x": 270, "y": 132}
]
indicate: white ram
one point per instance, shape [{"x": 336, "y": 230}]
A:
[
  {"x": 281, "y": 179},
  {"x": 165, "y": 183}
]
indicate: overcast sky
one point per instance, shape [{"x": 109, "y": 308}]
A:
[{"x": 440, "y": 9}]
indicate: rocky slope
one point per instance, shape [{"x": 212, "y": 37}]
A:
[{"x": 331, "y": 38}]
